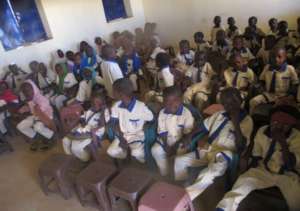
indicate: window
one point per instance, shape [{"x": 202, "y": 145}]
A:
[
  {"x": 20, "y": 23},
  {"x": 116, "y": 9}
]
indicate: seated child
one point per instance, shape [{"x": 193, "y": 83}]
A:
[
  {"x": 89, "y": 59},
  {"x": 273, "y": 24},
  {"x": 91, "y": 128},
  {"x": 232, "y": 31},
  {"x": 217, "y": 27},
  {"x": 228, "y": 132},
  {"x": 264, "y": 52},
  {"x": 14, "y": 77},
  {"x": 7, "y": 100},
  {"x": 70, "y": 60},
  {"x": 66, "y": 86},
  {"x": 58, "y": 57},
  {"x": 186, "y": 55},
  {"x": 40, "y": 77},
  {"x": 110, "y": 69},
  {"x": 279, "y": 79},
  {"x": 129, "y": 116},
  {"x": 99, "y": 44},
  {"x": 201, "y": 44},
  {"x": 238, "y": 47},
  {"x": 221, "y": 45},
  {"x": 275, "y": 162},
  {"x": 175, "y": 121},
  {"x": 251, "y": 41},
  {"x": 40, "y": 119},
  {"x": 239, "y": 76},
  {"x": 77, "y": 66}
]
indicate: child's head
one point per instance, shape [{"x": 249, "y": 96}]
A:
[
  {"x": 98, "y": 41},
  {"x": 77, "y": 58},
  {"x": 270, "y": 41},
  {"x": 13, "y": 68},
  {"x": 60, "y": 53},
  {"x": 59, "y": 69},
  {"x": 283, "y": 28},
  {"x": 217, "y": 21},
  {"x": 172, "y": 99},
  {"x": 83, "y": 45},
  {"x": 252, "y": 21},
  {"x": 162, "y": 60},
  {"x": 198, "y": 37},
  {"x": 89, "y": 51},
  {"x": 43, "y": 69},
  {"x": 239, "y": 62},
  {"x": 34, "y": 66},
  {"x": 98, "y": 101},
  {"x": 123, "y": 89},
  {"x": 184, "y": 46},
  {"x": 221, "y": 35},
  {"x": 238, "y": 42},
  {"x": 200, "y": 58},
  {"x": 273, "y": 23},
  {"x": 278, "y": 57},
  {"x": 108, "y": 52},
  {"x": 28, "y": 91},
  {"x": 231, "y": 99},
  {"x": 231, "y": 21},
  {"x": 70, "y": 55}
]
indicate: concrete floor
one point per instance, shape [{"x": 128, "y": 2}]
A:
[{"x": 20, "y": 191}]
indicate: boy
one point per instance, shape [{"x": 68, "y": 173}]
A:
[
  {"x": 232, "y": 31},
  {"x": 129, "y": 117},
  {"x": 238, "y": 47},
  {"x": 275, "y": 162},
  {"x": 92, "y": 123},
  {"x": 110, "y": 68},
  {"x": 221, "y": 44},
  {"x": 279, "y": 78},
  {"x": 228, "y": 132},
  {"x": 14, "y": 77},
  {"x": 201, "y": 44},
  {"x": 273, "y": 24},
  {"x": 252, "y": 23},
  {"x": 264, "y": 52},
  {"x": 186, "y": 55},
  {"x": 217, "y": 27},
  {"x": 174, "y": 122}
]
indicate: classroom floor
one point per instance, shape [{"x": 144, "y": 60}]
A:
[{"x": 20, "y": 191}]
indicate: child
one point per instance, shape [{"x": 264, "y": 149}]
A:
[
  {"x": 91, "y": 128},
  {"x": 14, "y": 77},
  {"x": 174, "y": 122},
  {"x": 77, "y": 66},
  {"x": 283, "y": 40},
  {"x": 83, "y": 47},
  {"x": 110, "y": 68},
  {"x": 57, "y": 58},
  {"x": 228, "y": 132},
  {"x": 40, "y": 77},
  {"x": 40, "y": 120},
  {"x": 258, "y": 33},
  {"x": 232, "y": 31},
  {"x": 186, "y": 55},
  {"x": 201, "y": 44},
  {"x": 239, "y": 76},
  {"x": 273, "y": 24},
  {"x": 217, "y": 27},
  {"x": 264, "y": 52},
  {"x": 275, "y": 162},
  {"x": 238, "y": 47},
  {"x": 251, "y": 40},
  {"x": 66, "y": 84},
  {"x": 129, "y": 116},
  {"x": 278, "y": 77},
  {"x": 89, "y": 59},
  {"x": 221, "y": 45},
  {"x": 99, "y": 44}
]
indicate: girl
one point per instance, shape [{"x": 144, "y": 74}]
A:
[
  {"x": 40, "y": 121},
  {"x": 91, "y": 128}
]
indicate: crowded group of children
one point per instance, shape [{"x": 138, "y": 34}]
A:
[{"x": 133, "y": 81}]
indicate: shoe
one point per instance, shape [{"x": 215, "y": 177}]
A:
[
  {"x": 34, "y": 146},
  {"x": 46, "y": 145}
]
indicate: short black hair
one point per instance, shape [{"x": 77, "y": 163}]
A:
[
  {"x": 184, "y": 42},
  {"x": 172, "y": 91},
  {"x": 198, "y": 34},
  {"x": 124, "y": 86},
  {"x": 162, "y": 59},
  {"x": 231, "y": 91},
  {"x": 107, "y": 50},
  {"x": 99, "y": 94}
]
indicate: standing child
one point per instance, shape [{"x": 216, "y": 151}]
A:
[
  {"x": 258, "y": 33},
  {"x": 232, "y": 31},
  {"x": 264, "y": 52},
  {"x": 279, "y": 79},
  {"x": 40, "y": 121},
  {"x": 91, "y": 128},
  {"x": 217, "y": 27},
  {"x": 273, "y": 24},
  {"x": 174, "y": 123},
  {"x": 201, "y": 44},
  {"x": 14, "y": 77},
  {"x": 228, "y": 132},
  {"x": 186, "y": 55},
  {"x": 58, "y": 57},
  {"x": 221, "y": 44},
  {"x": 129, "y": 117}
]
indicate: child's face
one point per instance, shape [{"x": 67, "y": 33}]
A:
[
  {"x": 97, "y": 103},
  {"x": 231, "y": 22},
  {"x": 60, "y": 53},
  {"x": 278, "y": 127},
  {"x": 28, "y": 91},
  {"x": 280, "y": 57},
  {"x": 252, "y": 22},
  {"x": 273, "y": 23},
  {"x": 198, "y": 38},
  {"x": 59, "y": 70},
  {"x": 98, "y": 41},
  {"x": 172, "y": 104},
  {"x": 238, "y": 43},
  {"x": 231, "y": 103},
  {"x": 14, "y": 69},
  {"x": 200, "y": 60},
  {"x": 239, "y": 63},
  {"x": 217, "y": 20},
  {"x": 185, "y": 48},
  {"x": 70, "y": 56},
  {"x": 89, "y": 51},
  {"x": 34, "y": 66},
  {"x": 77, "y": 59}
]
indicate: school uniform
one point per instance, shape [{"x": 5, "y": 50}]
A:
[
  {"x": 173, "y": 127},
  {"x": 85, "y": 89},
  {"x": 264, "y": 55},
  {"x": 59, "y": 99},
  {"x": 131, "y": 120},
  {"x": 231, "y": 34},
  {"x": 198, "y": 74},
  {"x": 214, "y": 32},
  {"x": 244, "y": 52},
  {"x": 218, "y": 153},
  {"x": 110, "y": 73},
  {"x": 277, "y": 84},
  {"x": 74, "y": 144},
  {"x": 270, "y": 172},
  {"x": 187, "y": 58},
  {"x": 239, "y": 79},
  {"x": 15, "y": 81},
  {"x": 222, "y": 49},
  {"x": 204, "y": 46}
]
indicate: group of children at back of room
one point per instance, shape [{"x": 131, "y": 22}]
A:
[{"x": 238, "y": 71}]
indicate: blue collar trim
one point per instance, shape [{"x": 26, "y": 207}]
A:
[{"x": 130, "y": 106}]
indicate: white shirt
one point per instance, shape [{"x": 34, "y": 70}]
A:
[
  {"x": 174, "y": 126},
  {"x": 110, "y": 73},
  {"x": 85, "y": 89},
  {"x": 165, "y": 78},
  {"x": 156, "y": 51},
  {"x": 206, "y": 72},
  {"x": 69, "y": 81},
  {"x": 187, "y": 59},
  {"x": 214, "y": 33},
  {"x": 132, "y": 119}
]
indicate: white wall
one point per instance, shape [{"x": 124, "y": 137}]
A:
[
  {"x": 71, "y": 21},
  {"x": 179, "y": 19}
]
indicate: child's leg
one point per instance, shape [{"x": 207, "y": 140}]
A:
[
  {"x": 78, "y": 149},
  {"x": 26, "y": 127},
  {"x": 137, "y": 151},
  {"x": 40, "y": 128},
  {"x": 3, "y": 129},
  {"x": 67, "y": 145},
  {"x": 115, "y": 151},
  {"x": 161, "y": 159}
]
